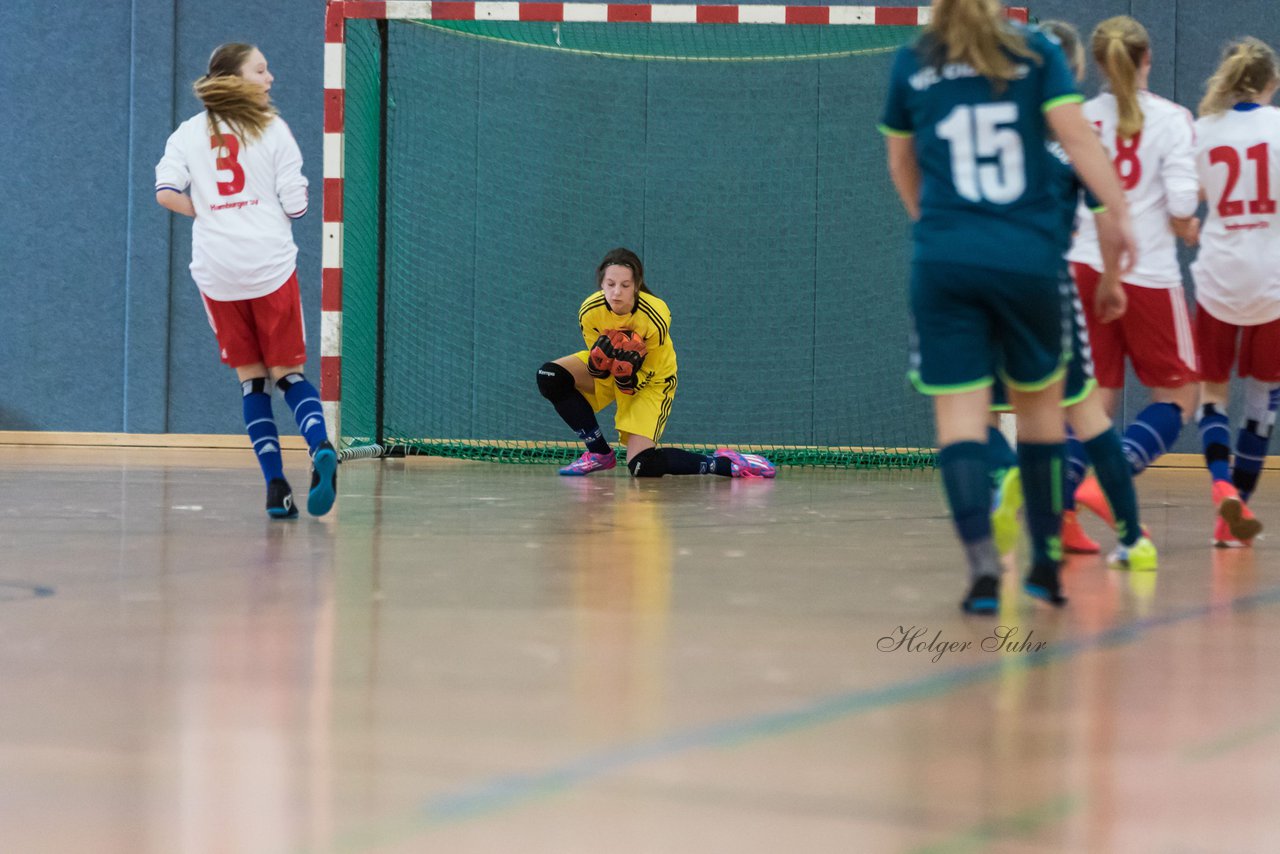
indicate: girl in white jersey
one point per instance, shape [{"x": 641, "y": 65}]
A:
[
  {"x": 236, "y": 169},
  {"x": 1149, "y": 140},
  {"x": 1237, "y": 273}
]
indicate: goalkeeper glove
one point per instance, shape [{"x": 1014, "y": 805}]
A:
[
  {"x": 600, "y": 359},
  {"x": 628, "y": 355}
]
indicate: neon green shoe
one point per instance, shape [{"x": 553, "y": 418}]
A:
[
  {"x": 1139, "y": 557},
  {"x": 1005, "y": 507}
]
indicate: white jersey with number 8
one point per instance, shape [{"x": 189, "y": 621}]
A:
[
  {"x": 244, "y": 194},
  {"x": 1237, "y": 273},
  {"x": 1158, "y": 172}
]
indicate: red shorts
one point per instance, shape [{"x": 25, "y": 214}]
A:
[
  {"x": 1259, "y": 348},
  {"x": 1155, "y": 333},
  {"x": 266, "y": 329}
]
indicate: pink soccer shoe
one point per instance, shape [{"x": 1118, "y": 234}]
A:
[
  {"x": 589, "y": 462},
  {"x": 747, "y": 465}
]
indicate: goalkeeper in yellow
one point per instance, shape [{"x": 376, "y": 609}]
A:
[{"x": 630, "y": 359}]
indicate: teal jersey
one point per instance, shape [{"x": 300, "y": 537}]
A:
[
  {"x": 1070, "y": 191},
  {"x": 987, "y": 197}
]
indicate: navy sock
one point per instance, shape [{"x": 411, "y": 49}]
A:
[
  {"x": 1076, "y": 469},
  {"x": 1260, "y": 403},
  {"x": 1251, "y": 453},
  {"x": 1000, "y": 457},
  {"x": 577, "y": 413},
  {"x": 1115, "y": 476},
  {"x": 1215, "y": 439},
  {"x": 261, "y": 427},
  {"x": 304, "y": 400},
  {"x": 967, "y": 483},
  {"x": 1152, "y": 434},
  {"x": 1041, "y": 467},
  {"x": 680, "y": 461}
]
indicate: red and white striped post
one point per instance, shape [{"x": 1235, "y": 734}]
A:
[{"x": 335, "y": 66}]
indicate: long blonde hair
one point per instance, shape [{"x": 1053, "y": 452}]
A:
[
  {"x": 1119, "y": 45},
  {"x": 1248, "y": 69},
  {"x": 978, "y": 33},
  {"x": 231, "y": 99}
]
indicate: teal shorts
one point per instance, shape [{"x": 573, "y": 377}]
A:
[
  {"x": 971, "y": 325},
  {"x": 1079, "y": 382}
]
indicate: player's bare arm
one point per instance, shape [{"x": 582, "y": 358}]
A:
[
  {"x": 904, "y": 169},
  {"x": 179, "y": 203}
]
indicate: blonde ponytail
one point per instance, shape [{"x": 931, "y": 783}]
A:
[
  {"x": 1119, "y": 46},
  {"x": 1248, "y": 69},
  {"x": 229, "y": 98},
  {"x": 977, "y": 32}
]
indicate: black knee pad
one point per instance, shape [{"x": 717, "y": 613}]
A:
[
  {"x": 555, "y": 382},
  {"x": 256, "y": 385},
  {"x": 288, "y": 381},
  {"x": 648, "y": 463}
]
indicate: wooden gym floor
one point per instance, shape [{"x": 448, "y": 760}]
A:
[{"x": 469, "y": 657}]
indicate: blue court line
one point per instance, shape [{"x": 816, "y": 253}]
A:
[
  {"x": 498, "y": 793},
  {"x": 24, "y": 591}
]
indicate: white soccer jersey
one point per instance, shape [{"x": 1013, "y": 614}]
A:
[
  {"x": 244, "y": 195},
  {"x": 1237, "y": 272},
  {"x": 1158, "y": 171}
]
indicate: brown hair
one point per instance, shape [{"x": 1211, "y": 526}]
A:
[
  {"x": 624, "y": 258},
  {"x": 230, "y": 98},
  {"x": 1119, "y": 45},
  {"x": 1248, "y": 69},
  {"x": 978, "y": 33},
  {"x": 1069, "y": 38}
]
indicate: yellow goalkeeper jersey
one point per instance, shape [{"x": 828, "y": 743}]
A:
[{"x": 651, "y": 320}]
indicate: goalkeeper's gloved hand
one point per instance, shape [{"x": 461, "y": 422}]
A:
[
  {"x": 600, "y": 359},
  {"x": 628, "y": 355}
]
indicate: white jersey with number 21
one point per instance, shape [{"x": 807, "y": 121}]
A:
[{"x": 1237, "y": 273}]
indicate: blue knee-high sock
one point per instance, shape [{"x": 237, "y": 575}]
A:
[
  {"x": 1000, "y": 457},
  {"x": 1251, "y": 453},
  {"x": 1252, "y": 444},
  {"x": 1041, "y": 466},
  {"x": 261, "y": 426},
  {"x": 968, "y": 486},
  {"x": 1215, "y": 439},
  {"x": 304, "y": 401},
  {"x": 1115, "y": 476},
  {"x": 1152, "y": 434},
  {"x": 1076, "y": 469}
]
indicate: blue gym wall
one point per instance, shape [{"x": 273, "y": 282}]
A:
[{"x": 102, "y": 327}]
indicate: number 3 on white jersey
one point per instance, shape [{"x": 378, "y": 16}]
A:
[{"x": 979, "y": 134}]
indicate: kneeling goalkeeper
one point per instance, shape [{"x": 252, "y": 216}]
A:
[{"x": 630, "y": 359}]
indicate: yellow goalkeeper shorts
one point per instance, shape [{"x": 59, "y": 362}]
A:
[{"x": 641, "y": 414}]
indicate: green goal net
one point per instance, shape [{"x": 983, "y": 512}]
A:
[{"x": 490, "y": 165}]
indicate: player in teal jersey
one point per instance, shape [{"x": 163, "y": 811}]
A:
[
  {"x": 1093, "y": 437},
  {"x": 970, "y": 106}
]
